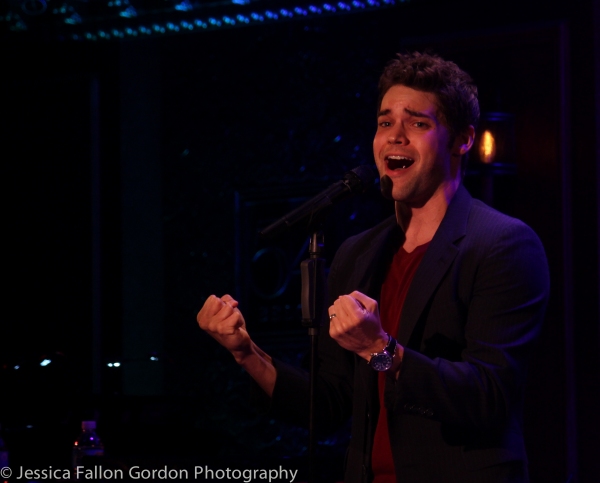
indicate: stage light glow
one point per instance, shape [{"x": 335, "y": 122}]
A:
[
  {"x": 487, "y": 148},
  {"x": 184, "y": 6},
  {"x": 108, "y": 24}
]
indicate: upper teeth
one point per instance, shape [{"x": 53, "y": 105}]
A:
[{"x": 396, "y": 161}]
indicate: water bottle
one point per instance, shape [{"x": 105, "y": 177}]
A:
[
  {"x": 87, "y": 446},
  {"x": 3, "y": 454}
]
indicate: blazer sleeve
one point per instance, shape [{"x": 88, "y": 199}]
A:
[{"x": 494, "y": 296}]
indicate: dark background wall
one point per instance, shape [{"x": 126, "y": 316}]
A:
[{"x": 137, "y": 175}]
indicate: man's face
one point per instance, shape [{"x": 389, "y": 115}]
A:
[{"x": 411, "y": 145}]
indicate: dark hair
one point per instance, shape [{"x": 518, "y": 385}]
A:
[{"x": 454, "y": 89}]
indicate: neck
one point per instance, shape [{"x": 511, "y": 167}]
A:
[{"x": 420, "y": 222}]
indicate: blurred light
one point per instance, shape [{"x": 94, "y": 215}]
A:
[
  {"x": 496, "y": 139},
  {"x": 45, "y": 362},
  {"x": 33, "y": 7},
  {"x": 123, "y": 8},
  {"x": 487, "y": 148},
  {"x": 129, "y": 12},
  {"x": 74, "y": 19},
  {"x": 16, "y": 367},
  {"x": 184, "y": 6},
  {"x": 153, "y": 358}
]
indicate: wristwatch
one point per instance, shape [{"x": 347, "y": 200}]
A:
[{"x": 382, "y": 361}]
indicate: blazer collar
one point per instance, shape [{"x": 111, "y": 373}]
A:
[{"x": 371, "y": 262}]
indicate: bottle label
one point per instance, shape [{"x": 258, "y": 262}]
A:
[
  {"x": 91, "y": 452},
  {"x": 81, "y": 455}
]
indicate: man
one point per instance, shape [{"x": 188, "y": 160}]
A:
[{"x": 434, "y": 311}]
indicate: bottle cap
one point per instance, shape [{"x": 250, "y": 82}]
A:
[{"x": 88, "y": 425}]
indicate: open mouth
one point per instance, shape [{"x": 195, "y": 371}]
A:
[{"x": 398, "y": 162}]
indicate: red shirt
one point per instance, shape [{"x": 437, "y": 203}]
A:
[{"x": 393, "y": 293}]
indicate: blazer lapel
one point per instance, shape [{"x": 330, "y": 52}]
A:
[
  {"x": 368, "y": 274},
  {"x": 436, "y": 261}
]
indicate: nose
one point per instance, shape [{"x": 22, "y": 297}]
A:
[{"x": 397, "y": 136}]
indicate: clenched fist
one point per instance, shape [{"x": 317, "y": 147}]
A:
[{"x": 221, "y": 318}]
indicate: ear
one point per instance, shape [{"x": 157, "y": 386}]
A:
[{"x": 464, "y": 142}]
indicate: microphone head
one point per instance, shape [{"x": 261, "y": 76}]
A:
[
  {"x": 386, "y": 186},
  {"x": 361, "y": 178}
]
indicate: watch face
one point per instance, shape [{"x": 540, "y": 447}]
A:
[{"x": 381, "y": 361}]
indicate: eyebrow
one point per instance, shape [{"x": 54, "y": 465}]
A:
[{"x": 410, "y": 112}]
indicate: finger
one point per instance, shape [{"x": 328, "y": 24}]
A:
[
  {"x": 211, "y": 306},
  {"x": 351, "y": 307},
  {"x": 230, "y": 325},
  {"x": 364, "y": 300},
  {"x": 213, "y": 312},
  {"x": 230, "y": 300},
  {"x": 339, "y": 310}
]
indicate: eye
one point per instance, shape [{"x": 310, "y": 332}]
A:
[
  {"x": 384, "y": 124},
  {"x": 420, "y": 124}
]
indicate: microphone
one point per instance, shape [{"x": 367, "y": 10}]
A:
[
  {"x": 386, "y": 184},
  {"x": 354, "y": 182}
]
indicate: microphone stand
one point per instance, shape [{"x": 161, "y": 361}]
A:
[{"x": 312, "y": 272}]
